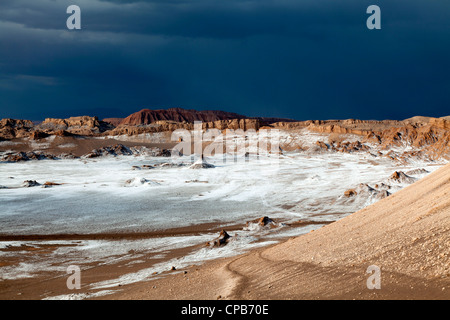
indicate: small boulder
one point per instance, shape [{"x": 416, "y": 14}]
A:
[
  {"x": 220, "y": 241},
  {"x": 263, "y": 222},
  {"x": 30, "y": 183},
  {"x": 350, "y": 193}
]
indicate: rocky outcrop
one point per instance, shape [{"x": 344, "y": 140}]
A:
[
  {"x": 116, "y": 150},
  {"x": 12, "y": 128},
  {"x": 121, "y": 150},
  {"x": 350, "y": 193},
  {"x": 15, "y": 157},
  {"x": 83, "y": 125},
  {"x": 262, "y": 222},
  {"x": 25, "y": 156},
  {"x": 350, "y": 147},
  {"x": 222, "y": 240},
  {"x": 83, "y": 121},
  {"x": 428, "y": 136},
  {"x": 364, "y": 192},
  {"x": 344, "y": 146}
]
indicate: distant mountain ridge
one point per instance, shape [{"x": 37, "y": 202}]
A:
[{"x": 426, "y": 137}]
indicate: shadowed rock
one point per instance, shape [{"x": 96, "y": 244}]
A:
[
  {"x": 30, "y": 183},
  {"x": 263, "y": 222},
  {"x": 36, "y": 135},
  {"x": 222, "y": 240}
]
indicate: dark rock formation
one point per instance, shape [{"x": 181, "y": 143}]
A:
[
  {"x": 222, "y": 240},
  {"x": 30, "y": 183}
]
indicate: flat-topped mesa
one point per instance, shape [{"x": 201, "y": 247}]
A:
[
  {"x": 147, "y": 116},
  {"x": 81, "y": 121}
]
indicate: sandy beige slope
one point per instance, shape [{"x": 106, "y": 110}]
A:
[{"x": 406, "y": 235}]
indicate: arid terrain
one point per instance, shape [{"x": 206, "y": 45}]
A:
[
  {"x": 420, "y": 137},
  {"x": 406, "y": 235},
  {"x": 234, "y": 207}
]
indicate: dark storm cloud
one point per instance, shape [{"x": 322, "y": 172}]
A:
[{"x": 299, "y": 59}]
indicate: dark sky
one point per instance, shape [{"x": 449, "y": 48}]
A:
[{"x": 300, "y": 59}]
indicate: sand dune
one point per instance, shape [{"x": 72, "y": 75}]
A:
[{"x": 406, "y": 235}]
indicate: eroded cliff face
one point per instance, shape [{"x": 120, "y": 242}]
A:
[
  {"x": 429, "y": 135},
  {"x": 83, "y": 125},
  {"x": 169, "y": 126}
]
